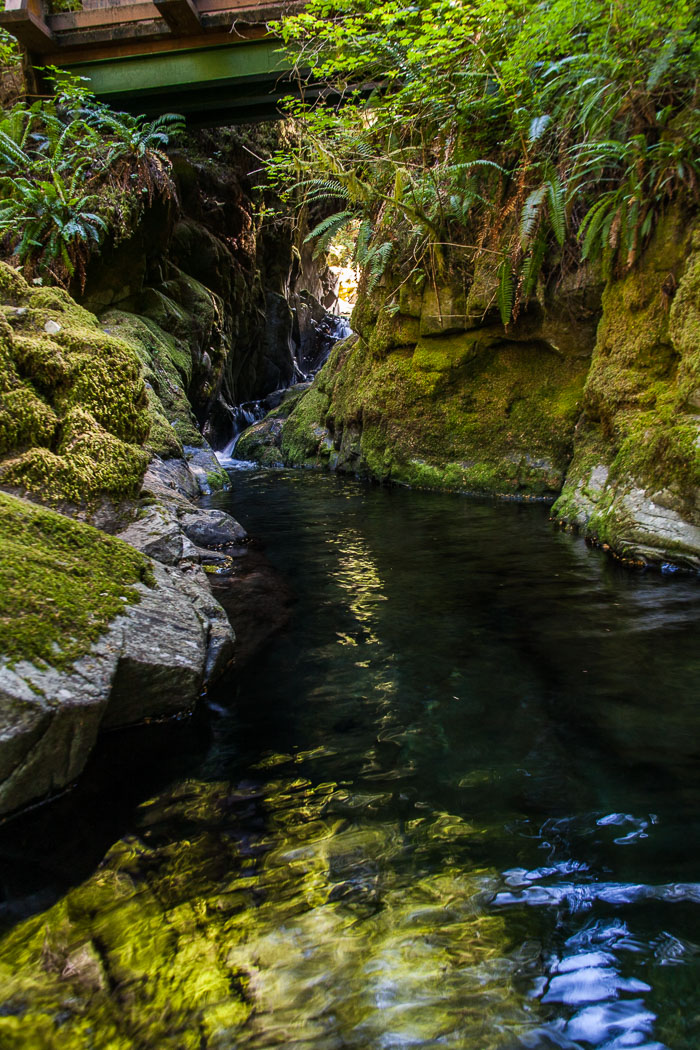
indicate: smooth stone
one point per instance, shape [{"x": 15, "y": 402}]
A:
[{"x": 212, "y": 528}]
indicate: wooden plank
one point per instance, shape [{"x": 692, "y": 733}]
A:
[
  {"x": 102, "y": 16},
  {"x": 83, "y": 51},
  {"x": 234, "y": 6},
  {"x": 120, "y": 14},
  {"x": 181, "y": 16}
]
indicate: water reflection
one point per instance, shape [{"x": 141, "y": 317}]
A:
[{"x": 455, "y": 805}]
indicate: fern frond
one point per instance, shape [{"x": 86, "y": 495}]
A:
[
  {"x": 532, "y": 266},
  {"x": 556, "y": 202},
  {"x": 530, "y": 214},
  {"x": 326, "y": 230},
  {"x": 380, "y": 256},
  {"x": 506, "y": 290}
]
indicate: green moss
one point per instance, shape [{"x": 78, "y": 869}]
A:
[
  {"x": 217, "y": 480},
  {"x": 25, "y": 419},
  {"x": 73, "y": 405},
  {"x": 61, "y": 582},
  {"x": 107, "y": 383},
  {"x": 661, "y": 450},
  {"x": 13, "y": 287},
  {"x": 162, "y": 440},
  {"x": 392, "y": 330},
  {"x": 642, "y": 399},
  {"x": 261, "y": 442},
  {"x": 304, "y": 430},
  {"x": 459, "y": 411},
  {"x": 165, "y": 368}
]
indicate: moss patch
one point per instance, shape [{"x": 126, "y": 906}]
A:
[
  {"x": 304, "y": 430},
  {"x": 463, "y": 411},
  {"x": 642, "y": 397},
  {"x": 166, "y": 368},
  {"x": 61, "y": 582},
  {"x": 73, "y": 404}
]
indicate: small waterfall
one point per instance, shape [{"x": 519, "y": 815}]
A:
[
  {"x": 242, "y": 417},
  {"x": 341, "y": 327},
  {"x": 328, "y": 331}
]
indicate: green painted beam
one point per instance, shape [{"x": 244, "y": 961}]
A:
[{"x": 181, "y": 72}]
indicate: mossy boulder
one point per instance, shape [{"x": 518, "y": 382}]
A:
[
  {"x": 92, "y": 634},
  {"x": 167, "y": 370},
  {"x": 61, "y": 582},
  {"x": 262, "y": 442},
  {"x": 73, "y": 404}
]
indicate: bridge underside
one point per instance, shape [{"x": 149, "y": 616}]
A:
[
  {"x": 214, "y": 61},
  {"x": 227, "y": 84}
]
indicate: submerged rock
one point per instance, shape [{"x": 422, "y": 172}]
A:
[
  {"x": 216, "y": 928},
  {"x": 212, "y": 528}
]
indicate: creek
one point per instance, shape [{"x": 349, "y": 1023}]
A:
[{"x": 455, "y": 803}]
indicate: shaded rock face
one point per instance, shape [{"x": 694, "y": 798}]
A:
[
  {"x": 232, "y": 306},
  {"x": 430, "y": 394}
]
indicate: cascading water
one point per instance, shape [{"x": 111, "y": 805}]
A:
[
  {"x": 242, "y": 417},
  {"x": 330, "y": 331}
]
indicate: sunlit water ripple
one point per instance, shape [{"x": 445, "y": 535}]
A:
[{"x": 455, "y": 804}]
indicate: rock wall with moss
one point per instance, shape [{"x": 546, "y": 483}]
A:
[
  {"x": 592, "y": 395},
  {"x": 435, "y": 393},
  {"x": 96, "y": 629},
  {"x": 634, "y": 481}
]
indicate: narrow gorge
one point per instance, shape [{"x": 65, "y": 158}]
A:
[{"x": 349, "y": 526}]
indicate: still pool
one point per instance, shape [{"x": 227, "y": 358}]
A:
[{"x": 455, "y": 803}]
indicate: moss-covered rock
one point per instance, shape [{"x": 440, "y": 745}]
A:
[
  {"x": 61, "y": 582},
  {"x": 634, "y": 482},
  {"x": 435, "y": 401},
  {"x": 167, "y": 369},
  {"x": 92, "y": 634},
  {"x": 73, "y": 405}
]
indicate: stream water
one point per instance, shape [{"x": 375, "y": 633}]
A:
[{"x": 454, "y": 804}]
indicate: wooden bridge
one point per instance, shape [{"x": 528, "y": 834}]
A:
[{"x": 215, "y": 61}]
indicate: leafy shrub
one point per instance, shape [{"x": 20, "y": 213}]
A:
[
  {"x": 70, "y": 168},
  {"x": 538, "y": 134}
]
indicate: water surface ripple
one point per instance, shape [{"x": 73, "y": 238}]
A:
[{"x": 454, "y": 804}]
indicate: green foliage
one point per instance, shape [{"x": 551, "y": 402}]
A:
[
  {"x": 548, "y": 131},
  {"x": 52, "y": 216},
  {"x": 505, "y": 289},
  {"x": 72, "y": 172}
]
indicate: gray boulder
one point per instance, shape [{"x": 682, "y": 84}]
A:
[
  {"x": 212, "y": 528},
  {"x": 152, "y": 662}
]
